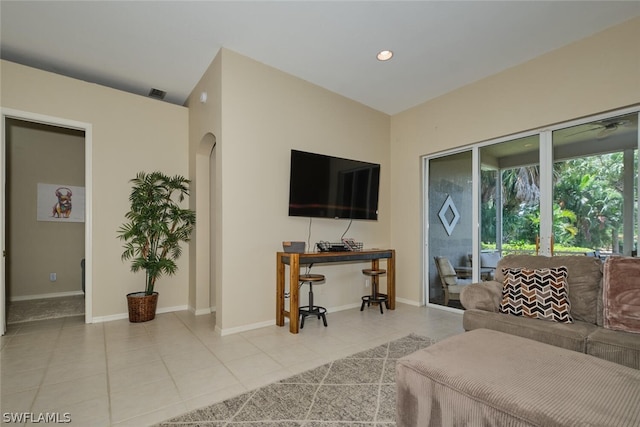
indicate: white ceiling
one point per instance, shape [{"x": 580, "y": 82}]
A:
[{"x": 439, "y": 45}]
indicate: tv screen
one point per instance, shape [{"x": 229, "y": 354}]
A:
[{"x": 332, "y": 187}]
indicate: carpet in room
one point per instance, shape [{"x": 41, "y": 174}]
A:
[
  {"x": 44, "y": 308},
  {"x": 358, "y": 390}
]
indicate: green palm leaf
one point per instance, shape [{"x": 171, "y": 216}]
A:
[{"x": 156, "y": 225}]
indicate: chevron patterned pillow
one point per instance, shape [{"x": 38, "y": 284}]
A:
[{"x": 536, "y": 293}]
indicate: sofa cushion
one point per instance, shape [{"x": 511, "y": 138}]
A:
[
  {"x": 485, "y": 378},
  {"x": 489, "y": 259},
  {"x": 484, "y": 296},
  {"x": 584, "y": 280},
  {"x": 621, "y": 294},
  {"x": 571, "y": 336},
  {"x": 539, "y": 293},
  {"x": 615, "y": 346}
]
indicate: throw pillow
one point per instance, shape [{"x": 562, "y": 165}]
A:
[{"x": 536, "y": 293}]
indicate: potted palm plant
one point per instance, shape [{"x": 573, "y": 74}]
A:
[{"x": 155, "y": 228}]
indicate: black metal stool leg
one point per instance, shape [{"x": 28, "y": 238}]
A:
[
  {"x": 375, "y": 297},
  {"x": 374, "y": 284},
  {"x": 311, "y": 309}
]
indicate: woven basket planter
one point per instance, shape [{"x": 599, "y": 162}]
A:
[{"x": 142, "y": 307}]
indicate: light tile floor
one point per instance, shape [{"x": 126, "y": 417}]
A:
[{"x": 136, "y": 374}]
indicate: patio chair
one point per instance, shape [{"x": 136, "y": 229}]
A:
[{"x": 451, "y": 283}]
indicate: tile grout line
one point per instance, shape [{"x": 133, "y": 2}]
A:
[
  {"x": 106, "y": 362},
  {"x": 193, "y": 332},
  {"x": 162, "y": 358},
  {"x": 150, "y": 336},
  {"x": 46, "y": 370}
]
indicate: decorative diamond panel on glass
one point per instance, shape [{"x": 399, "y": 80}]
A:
[{"x": 449, "y": 210}]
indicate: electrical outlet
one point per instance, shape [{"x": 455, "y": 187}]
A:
[
  {"x": 366, "y": 283},
  {"x": 53, "y": 277}
]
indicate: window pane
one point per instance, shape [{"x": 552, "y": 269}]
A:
[
  {"x": 510, "y": 196},
  {"x": 595, "y": 180}
]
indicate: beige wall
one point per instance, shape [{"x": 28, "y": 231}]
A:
[
  {"x": 265, "y": 113},
  {"x": 130, "y": 133},
  {"x": 48, "y": 155},
  {"x": 205, "y": 167},
  {"x": 256, "y": 115},
  {"x": 593, "y": 75}
]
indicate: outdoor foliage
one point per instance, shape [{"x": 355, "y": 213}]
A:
[{"x": 587, "y": 208}]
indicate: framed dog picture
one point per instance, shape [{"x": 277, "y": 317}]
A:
[{"x": 60, "y": 203}]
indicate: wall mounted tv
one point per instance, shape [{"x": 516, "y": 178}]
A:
[{"x": 332, "y": 187}]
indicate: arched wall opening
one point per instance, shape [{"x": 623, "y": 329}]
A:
[{"x": 203, "y": 295}]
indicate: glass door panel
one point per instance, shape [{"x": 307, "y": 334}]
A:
[
  {"x": 577, "y": 187},
  {"x": 509, "y": 199},
  {"x": 450, "y": 218},
  {"x": 595, "y": 187}
]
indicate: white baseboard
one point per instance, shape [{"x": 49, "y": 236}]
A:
[
  {"x": 170, "y": 309},
  {"x": 109, "y": 318},
  {"x": 42, "y": 296},
  {"x": 237, "y": 329},
  {"x": 443, "y": 308},
  {"x": 120, "y": 316},
  {"x": 244, "y": 328},
  {"x": 343, "y": 307},
  {"x": 357, "y": 305},
  {"x": 202, "y": 311},
  {"x": 409, "y": 302}
]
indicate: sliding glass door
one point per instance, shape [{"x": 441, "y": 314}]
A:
[
  {"x": 569, "y": 189},
  {"x": 450, "y": 222}
]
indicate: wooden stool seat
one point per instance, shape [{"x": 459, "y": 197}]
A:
[
  {"x": 311, "y": 277},
  {"x": 371, "y": 272},
  {"x": 312, "y": 310},
  {"x": 375, "y": 297}
]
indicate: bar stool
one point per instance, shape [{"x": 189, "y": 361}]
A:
[
  {"x": 375, "y": 297},
  {"x": 311, "y": 310}
]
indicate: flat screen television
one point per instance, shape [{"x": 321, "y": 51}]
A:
[{"x": 332, "y": 187}]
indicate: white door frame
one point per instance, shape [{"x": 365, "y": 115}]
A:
[{"x": 88, "y": 182}]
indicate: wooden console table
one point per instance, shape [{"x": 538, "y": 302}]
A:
[{"x": 294, "y": 261}]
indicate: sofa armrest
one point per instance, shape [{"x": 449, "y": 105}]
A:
[{"x": 482, "y": 296}]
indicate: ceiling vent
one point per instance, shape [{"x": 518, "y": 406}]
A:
[{"x": 157, "y": 93}]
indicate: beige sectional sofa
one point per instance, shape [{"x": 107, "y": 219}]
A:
[
  {"x": 515, "y": 370},
  {"x": 489, "y": 378},
  {"x": 586, "y": 334}
]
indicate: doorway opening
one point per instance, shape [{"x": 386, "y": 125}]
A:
[{"x": 46, "y": 219}]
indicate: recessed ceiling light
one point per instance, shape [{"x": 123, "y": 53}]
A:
[{"x": 384, "y": 55}]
